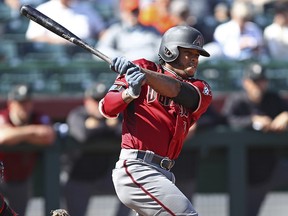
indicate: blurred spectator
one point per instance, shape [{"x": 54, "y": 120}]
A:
[
  {"x": 77, "y": 16},
  {"x": 13, "y": 4},
  {"x": 208, "y": 24},
  {"x": 16, "y": 4},
  {"x": 221, "y": 13},
  {"x": 259, "y": 108},
  {"x": 276, "y": 34},
  {"x": 260, "y": 4},
  {"x": 181, "y": 14},
  {"x": 127, "y": 37},
  {"x": 201, "y": 8},
  {"x": 20, "y": 123},
  {"x": 108, "y": 10},
  {"x": 89, "y": 170},
  {"x": 239, "y": 38},
  {"x": 158, "y": 15}
]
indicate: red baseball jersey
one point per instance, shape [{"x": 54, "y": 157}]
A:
[
  {"x": 18, "y": 166},
  {"x": 155, "y": 122}
]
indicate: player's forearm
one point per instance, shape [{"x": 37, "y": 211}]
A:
[
  {"x": 34, "y": 134},
  {"x": 47, "y": 139},
  {"x": 13, "y": 135},
  {"x": 41, "y": 135},
  {"x": 163, "y": 84}
]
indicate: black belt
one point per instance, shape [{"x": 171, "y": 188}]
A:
[{"x": 163, "y": 162}]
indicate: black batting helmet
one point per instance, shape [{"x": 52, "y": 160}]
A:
[{"x": 180, "y": 36}]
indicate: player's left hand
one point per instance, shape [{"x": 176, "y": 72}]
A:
[
  {"x": 121, "y": 65},
  {"x": 135, "y": 78}
]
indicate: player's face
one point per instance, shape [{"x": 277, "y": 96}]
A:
[
  {"x": 188, "y": 61},
  {"x": 255, "y": 89},
  {"x": 22, "y": 110}
]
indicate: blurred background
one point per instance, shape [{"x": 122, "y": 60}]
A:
[{"x": 59, "y": 73}]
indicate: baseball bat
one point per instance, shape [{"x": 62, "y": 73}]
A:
[{"x": 53, "y": 26}]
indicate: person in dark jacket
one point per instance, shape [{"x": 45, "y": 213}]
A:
[
  {"x": 20, "y": 123},
  {"x": 259, "y": 108},
  {"x": 90, "y": 169}
]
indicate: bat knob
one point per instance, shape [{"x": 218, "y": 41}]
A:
[{"x": 24, "y": 9}]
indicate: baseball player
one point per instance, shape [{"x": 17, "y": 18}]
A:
[
  {"x": 21, "y": 123},
  {"x": 159, "y": 103}
]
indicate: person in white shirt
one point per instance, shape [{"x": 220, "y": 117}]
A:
[
  {"x": 276, "y": 34},
  {"x": 128, "y": 37},
  {"x": 77, "y": 16},
  {"x": 239, "y": 38}
]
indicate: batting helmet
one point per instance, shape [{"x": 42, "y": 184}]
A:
[{"x": 180, "y": 36}]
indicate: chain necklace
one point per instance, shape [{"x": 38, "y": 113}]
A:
[{"x": 173, "y": 72}]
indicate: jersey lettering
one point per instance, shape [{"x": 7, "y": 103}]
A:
[
  {"x": 165, "y": 101},
  {"x": 151, "y": 95}
]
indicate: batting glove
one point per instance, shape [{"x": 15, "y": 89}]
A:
[
  {"x": 135, "y": 78},
  {"x": 121, "y": 65}
]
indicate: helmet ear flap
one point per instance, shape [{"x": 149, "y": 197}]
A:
[
  {"x": 167, "y": 52},
  {"x": 170, "y": 54}
]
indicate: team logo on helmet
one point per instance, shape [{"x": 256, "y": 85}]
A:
[{"x": 199, "y": 41}]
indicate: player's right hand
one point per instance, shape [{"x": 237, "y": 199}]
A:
[{"x": 121, "y": 65}]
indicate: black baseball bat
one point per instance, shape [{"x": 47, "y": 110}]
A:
[{"x": 53, "y": 26}]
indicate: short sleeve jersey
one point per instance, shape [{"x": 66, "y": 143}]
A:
[{"x": 155, "y": 122}]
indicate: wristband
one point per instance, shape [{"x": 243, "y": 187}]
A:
[{"x": 130, "y": 94}]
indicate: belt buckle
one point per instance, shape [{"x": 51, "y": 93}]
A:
[{"x": 166, "y": 163}]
